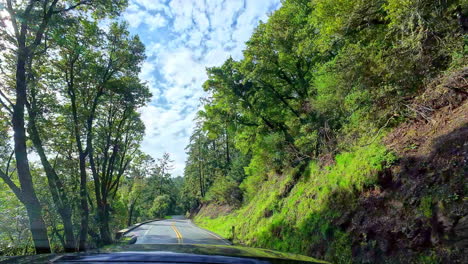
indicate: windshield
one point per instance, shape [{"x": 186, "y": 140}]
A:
[{"x": 295, "y": 126}]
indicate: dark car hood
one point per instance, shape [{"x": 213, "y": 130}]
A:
[{"x": 170, "y": 253}]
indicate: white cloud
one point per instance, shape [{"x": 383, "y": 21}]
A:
[
  {"x": 150, "y": 20},
  {"x": 182, "y": 11},
  {"x": 134, "y": 18},
  {"x": 195, "y": 34},
  {"x": 146, "y": 74},
  {"x": 155, "y": 21},
  {"x": 154, "y": 5}
]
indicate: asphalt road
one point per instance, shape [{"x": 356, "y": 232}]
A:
[{"x": 177, "y": 230}]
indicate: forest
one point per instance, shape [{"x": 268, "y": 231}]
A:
[{"x": 341, "y": 133}]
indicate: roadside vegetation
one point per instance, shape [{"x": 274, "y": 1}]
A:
[
  {"x": 325, "y": 139},
  {"x": 71, "y": 167},
  {"x": 341, "y": 133},
  {"x": 291, "y": 215}
]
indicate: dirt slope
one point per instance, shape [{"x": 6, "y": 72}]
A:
[{"x": 420, "y": 204}]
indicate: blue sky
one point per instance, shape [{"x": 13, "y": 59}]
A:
[{"x": 182, "y": 38}]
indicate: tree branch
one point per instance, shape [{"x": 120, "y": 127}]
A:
[
  {"x": 12, "y": 185},
  {"x": 43, "y": 26},
  {"x": 85, "y": 2},
  {"x": 7, "y": 100},
  {"x": 9, "y": 161},
  {"x": 6, "y": 106},
  {"x": 13, "y": 18}
]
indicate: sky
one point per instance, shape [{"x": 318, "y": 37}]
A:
[{"x": 182, "y": 39}]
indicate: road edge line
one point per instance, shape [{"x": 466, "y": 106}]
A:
[
  {"x": 225, "y": 241},
  {"x": 119, "y": 234}
]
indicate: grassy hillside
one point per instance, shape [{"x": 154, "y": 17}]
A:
[
  {"x": 292, "y": 216},
  {"x": 396, "y": 198}
]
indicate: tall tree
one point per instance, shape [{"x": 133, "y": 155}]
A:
[
  {"x": 115, "y": 141},
  {"x": 135, "y": 183},
  {"x": 162, "y": 170},
  {"x": 90, "y": 61}
]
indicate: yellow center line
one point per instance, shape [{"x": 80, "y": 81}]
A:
[{"x": 180, "y": 238}]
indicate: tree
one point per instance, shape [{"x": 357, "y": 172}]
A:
[
  {"x": 160, "y": 206},
  {"x": 78, "y": 43},
  {"x": 135, "y": 183},
  {"x": 91, "y": 61},
  {"x": 30, "y": 22},
  {"x": 162, "y": 171}
]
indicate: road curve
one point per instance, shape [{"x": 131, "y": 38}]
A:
[{"x": 177, "y": 230}]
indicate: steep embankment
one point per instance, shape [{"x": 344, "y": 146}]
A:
[{"x": 399, "y": 198}]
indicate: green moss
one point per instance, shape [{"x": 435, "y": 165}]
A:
[{"x": 426, "y": 206}]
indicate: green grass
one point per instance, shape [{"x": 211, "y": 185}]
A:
[{"x": 302, "y": 221}]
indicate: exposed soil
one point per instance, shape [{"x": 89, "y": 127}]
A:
[
  {"x": 213, "y": 210},
  {"x": 439, "y": 111},
  {"x": 419, "y": 211}
]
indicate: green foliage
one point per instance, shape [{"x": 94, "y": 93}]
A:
[
  {"x": 339, "y": 250},
  {"x": 321, "y": 80},
  {"x": 214, "y": 168},
  {"x": 160, "y": 206},
  {"x": 14, "y": 236},
  {"x": 83, "y": 82},
  {"x": 303, "y": 219},
  {"x": 224, "y": 191},
  {"x": 149, "y": 191}
]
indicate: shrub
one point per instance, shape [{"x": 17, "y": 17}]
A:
[
  {"x": 160, "y": 206},
  {"x": 224, "y": 191}
]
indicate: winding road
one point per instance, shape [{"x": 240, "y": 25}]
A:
[{"x": 177, "y": 230}]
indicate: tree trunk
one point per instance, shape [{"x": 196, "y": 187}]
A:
[
  {"x": 83, "y": 203},
  {"x": 84, "y": 212},
  {"x": 31, "y": 202},
  {"x": 101, "y": 202},
  {"x": 228, "y": 157},
  {"x": 70, "y": 244},
  {"x": 104, "y": 229},
  {"x": 56, "y": 187},
  {"x": 130, "y": 214},
  {"x": 200, "y": 171},
  {"x": 37, "y": 225}
]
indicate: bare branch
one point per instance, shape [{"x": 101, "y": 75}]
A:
[
  {"x": 6, "y": 98},
  {"x": 6, "y": 103},
  {"x": 11, "y": 173}
]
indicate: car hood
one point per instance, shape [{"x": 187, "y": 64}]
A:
[{"x": 165, "y": 253}]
